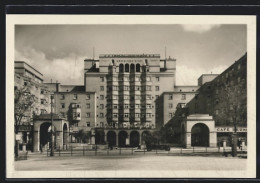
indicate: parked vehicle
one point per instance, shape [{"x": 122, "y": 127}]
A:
[{"x": 159, "y": 147}]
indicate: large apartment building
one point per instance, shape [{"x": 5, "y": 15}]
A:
[{"x": 123, "y": 97}]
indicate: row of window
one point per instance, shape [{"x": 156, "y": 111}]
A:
[
  {"x": 131, "y": 106},
  {"x": 136, "y": 78},
  {"x": 183, "y": 97},
  {"x": 127, "y": 88},
  {"x": 75, "y": 97},
  {"x": 132, "y": 97},
  {"x": 136, "y": 115},
  {"x": 117, "y": 106}
]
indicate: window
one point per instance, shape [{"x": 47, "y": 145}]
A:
[
  {"x": 101, "y": 97},
  {"x": 126, "y": 88},
  {"x": 137, "y": 88},
  {"x": 238, "y": 67},
  {"x": 75, "y": 96},
  {"x": 170, "y": 115},
  {"x": 87, "y": 97},
  {"x": 42, "y": 101},
  {"x": 148, "y": 115},
  {"x": 101, "y": 106},
  {"x": 148, "y": 88},
  {"x": 170, "y": 105},
  {"x": 148, "y": 78},
  {"x": 170, "y": 97},
  {"x": 227, "y": 75},
  {"x": 101, "y": 124},
  {"x": 157, "y": 88},
  {"x": 126, "y": 106},
  {"x": 217, "y": 101},
  {"x": 42, "y": 91},
  {"x": 157, "y": 106},
  {"x": 137, "y": 68},
  {"x": 216, "y": 112},
  {"x": 126, "y": 67},
  {"x": 183, "y": 96},
  {"x": 148, "y": 97},
  {"x": 157, "y": 78},
  {"x": 148, "y": 106},
  {"x": 88, "y": 115},
  {"x": 101, "y": 88},
  {"x": 62, "y": 105},
  {"x": 216, "y": 91},
  {"x": 102, "y": 79},
  {"x": 101, "y": 115},
  {"x": 238, "y": 79},
  {"x": 126, "y": 115},
  {"x": 88, "y": 106},
  {"x": 25, "y": 83},
  {"x": 115, "y": 115},
  {"x": 156, "y": 96},
  {"x": 88, "y": 124},
  {"x": 62, "y": 97},
  {"x": 115, "y": 106},
  {"x": 137, "y": 106}
]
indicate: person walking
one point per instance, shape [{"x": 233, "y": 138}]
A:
[{"x": 41, "y": 148}]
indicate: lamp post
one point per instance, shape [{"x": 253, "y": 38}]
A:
[
  {"x": 52, "y": 141},
  {"x": 234, "y": 136}
]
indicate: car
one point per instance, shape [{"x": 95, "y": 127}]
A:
[{"x": 159, "y": 147}]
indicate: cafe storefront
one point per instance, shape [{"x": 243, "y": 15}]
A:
[{"x": 224, "y": 135}]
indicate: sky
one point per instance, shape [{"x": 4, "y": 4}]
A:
[{"x": 58, "y": 51}]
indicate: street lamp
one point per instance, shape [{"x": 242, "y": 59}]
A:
[
  {"x": 234, "y": 147},
  {"x": 52, "y": 141}
]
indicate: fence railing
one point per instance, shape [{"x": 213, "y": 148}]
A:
[{"x": 95, "y": 151}]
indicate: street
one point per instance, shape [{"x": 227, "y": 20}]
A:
[{"x": 130, "y": 162}]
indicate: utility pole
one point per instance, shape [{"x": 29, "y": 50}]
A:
[{"x": 52, "y": 140}]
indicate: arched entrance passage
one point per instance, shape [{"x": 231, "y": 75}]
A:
[
  {"x": 99, "y": 137},
  {"x": 111, "y": 138},
  {"x": 200, "y": 135},
  {"x": 122, "y": 138},
  {"x": 134, "y": 139},
  {"x": 45, "y": 135}
]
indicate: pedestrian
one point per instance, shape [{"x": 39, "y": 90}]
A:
[
  {"x": 239, "y": 143},
  {"x": 41, "y": 148}
]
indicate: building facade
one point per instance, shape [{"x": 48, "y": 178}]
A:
[
  {"x": 224, "y": 98},
  {"x": 27, "y": 77},
  {"x": 124, "y": 97}
]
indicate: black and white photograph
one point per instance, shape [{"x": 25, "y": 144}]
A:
[{"x": 131, "y": 96}]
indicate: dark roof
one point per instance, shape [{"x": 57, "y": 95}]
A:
[{"x": 48, "y": 116}]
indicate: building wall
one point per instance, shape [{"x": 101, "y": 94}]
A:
[
  {"x": 26, "y": 76},
  {"x": 204, "y": 78},
  {"x": 225, "y": 97},
  {"x": 63, "y": 105}
]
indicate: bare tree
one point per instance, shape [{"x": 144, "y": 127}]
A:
[{"x": 23, "y": 105}]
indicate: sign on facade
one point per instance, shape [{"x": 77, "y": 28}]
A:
[{"x": 231, "y": 129}]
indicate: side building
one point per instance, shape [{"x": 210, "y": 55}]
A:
[
  {"x": 224, "y": 99},
  {"x": 27, "y": 77}
]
